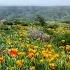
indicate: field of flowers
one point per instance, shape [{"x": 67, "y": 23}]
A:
[{"x": 35, "y": 47}]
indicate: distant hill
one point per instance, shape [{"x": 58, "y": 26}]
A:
[{"x": 30, "y": 12}]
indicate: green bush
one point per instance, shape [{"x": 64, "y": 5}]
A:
[
  {"x": 53, "y": 26},
  {"x": 61, "y": 36},
  {"x": 8, "y": 23}
]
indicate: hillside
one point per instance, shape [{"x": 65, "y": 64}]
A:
[{"x": 30, "y": 12}]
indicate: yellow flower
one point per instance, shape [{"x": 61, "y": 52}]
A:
[
  {"x": 49, "y": 45},
  {"x": 19, "y": 63},
  {"x": 30, "y": 46},
  {"x": 32, "y": 50},
  {"x": 11, "y": 68},
  {"x": 50, "y": 60},
  {"x": 1, "y": 59},
  {"x": 63, "y": 41},
  {"x": 21, "y": 53},
  {"x": 68, "y": 56},
  {"x": 32, "y": 68},
  {"x": 8, "y": 41},
  {"x": 30, "y": 55},
  {"x": 52, "y": 66},
  {"x": 68, "y": 63},
  {"x": 68, "y": 47},
  {"x": 56, "y": 55},
  {"x": 41, "y": 61}
]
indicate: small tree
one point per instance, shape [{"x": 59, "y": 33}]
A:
[{"x": 41, "y": 20}]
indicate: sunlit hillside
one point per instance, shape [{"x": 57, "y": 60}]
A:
[{"x": 34, "y": 38}]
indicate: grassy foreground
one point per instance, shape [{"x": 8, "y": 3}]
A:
[{"x": 35, "y": 47}]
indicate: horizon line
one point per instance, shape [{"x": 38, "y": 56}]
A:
[{"x": 35, "y": 5}]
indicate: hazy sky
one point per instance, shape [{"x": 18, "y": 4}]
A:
[{"x": 35, "y": 2}]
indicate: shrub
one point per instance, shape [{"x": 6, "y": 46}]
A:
[
  {"x": 53, "y": 26},
  {"x": 41, "y": 20},
  {"x": 8, "y": 23},
  {"x": 38, "y": 34}
]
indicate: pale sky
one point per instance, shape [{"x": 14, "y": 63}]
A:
[{"x": 34, "y": 2}]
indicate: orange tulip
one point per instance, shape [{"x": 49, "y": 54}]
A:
[{"x": 13, "y": 52}]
